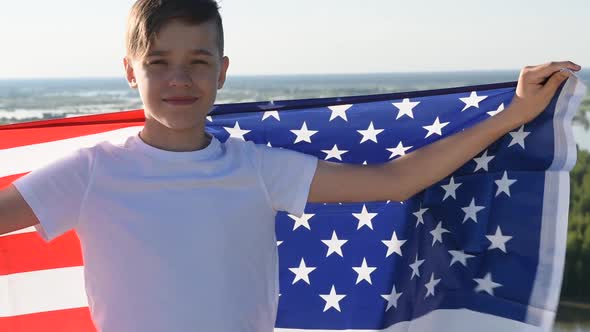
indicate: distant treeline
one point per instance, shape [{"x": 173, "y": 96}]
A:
[{"x": 576, "y": 282}]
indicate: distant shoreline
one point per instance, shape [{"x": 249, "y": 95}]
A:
[
  {"x": 575, "y": 304},
  {"x": 511, "y": 71}
]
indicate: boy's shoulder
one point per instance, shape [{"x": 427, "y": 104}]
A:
[
  {"x": 239, "y": 144},
  {"x": 250, "y": 147},
  {"x": 105, "y": 148},
  {"x": 103, "y": 143}
]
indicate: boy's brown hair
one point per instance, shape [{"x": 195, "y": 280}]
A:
[{"x": 148, "y": 16}]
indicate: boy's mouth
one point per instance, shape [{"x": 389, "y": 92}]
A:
[{"x": 178, "y": 101}]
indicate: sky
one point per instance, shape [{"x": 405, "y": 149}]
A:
[{"x": 73, "y": 38}]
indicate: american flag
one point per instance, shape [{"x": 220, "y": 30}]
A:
[{"x": 482, "y": 249}]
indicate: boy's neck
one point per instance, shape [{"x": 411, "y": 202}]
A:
[{"x": 186, "y": 140}]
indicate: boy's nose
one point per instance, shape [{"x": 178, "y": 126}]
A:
[{"x": 181, "y": 77}]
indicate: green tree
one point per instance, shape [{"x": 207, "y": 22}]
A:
[
  {"x": 577, "y": 263},
  {"x": 581, "y": 117}
]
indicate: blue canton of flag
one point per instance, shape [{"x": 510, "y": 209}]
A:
[{"x": 482, "y": 249}]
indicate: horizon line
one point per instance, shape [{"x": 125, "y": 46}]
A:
[{"x": 285, "y": 74}]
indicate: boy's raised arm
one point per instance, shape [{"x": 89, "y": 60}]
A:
[
  {"x": 15, "y": 213},
  {"x": 407, "y": 175}
]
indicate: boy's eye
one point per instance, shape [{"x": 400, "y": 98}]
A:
[{"x": 199, "y": 62}]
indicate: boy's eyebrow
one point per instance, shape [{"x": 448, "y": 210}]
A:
[{"x": 199, "y": 51}]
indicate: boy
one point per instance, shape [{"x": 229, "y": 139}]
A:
[{"x": 159, "y": 254}]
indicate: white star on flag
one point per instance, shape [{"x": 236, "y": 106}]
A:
[
  {"x": 472, "y": 100},
  {"x": 471, "y": 211},
  {"x": 332, "y": 300},
  {"x": 334, "y": 153},
  {"x": 486, "y": 284},
  {"x": 268, "y": 106},
  {"x": 393, "y": 245},
  {"x": 303, "y": 221},
  {"x": 518, "y": 137},
  {"x": 483, "y": 161},
  {"x": 339, "y": 111},
  {"x": 459, "y": 256},
  {"x": 304, "y": 134},
  {"x": 268, "y": 114},
  {"x": 365, "y": 218},
  {"x": 437, "y": 233},
  {"x": 334, "y": 245},
  {"x": 451, "y": 188},
  {"x": 364, "y": 272},
  {"x": 416, "y": 267},
  {"x": 302, "y": 272},
  {"x": 420, "y": 215},
  {"x": 504, "y": 184},
  {"x": 236, "y": 131},
  {"x": 430, "y": 285},
  {"x": 370, "y": 134},
  {"x": 500, "y": 109},
  {"x": 435, "y": 128},
  {"x": 391, "y": 298},
  {"x": 405, "y": 108},
  {"x": 399, "y": 150},
  {"x": 498, "y": 240}
]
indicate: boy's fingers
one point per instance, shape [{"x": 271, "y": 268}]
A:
[
  {"x": 555, "y": 80},
  {"x": 546, "y": 70}
]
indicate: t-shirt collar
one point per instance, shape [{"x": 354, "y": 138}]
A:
[{"x": 210, "y": 150}]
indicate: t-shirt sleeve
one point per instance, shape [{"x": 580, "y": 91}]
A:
[
  {"x": 55, "y": 192},
  {"x": 287, "y": 176}
]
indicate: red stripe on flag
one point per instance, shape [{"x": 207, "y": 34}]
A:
[
  {"x": 70, "y": 320},
  {"x": 7, "y": 180},
  {"x": 28, "y": 133},
  {"x": 27, "y": 252}
]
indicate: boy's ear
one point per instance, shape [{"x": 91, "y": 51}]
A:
[
  {"x": 129, "y": 74},
  {"x": 222, "y": 72}
]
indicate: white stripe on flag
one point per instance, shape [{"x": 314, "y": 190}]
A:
[
  {"x": 24, "y": 159},
  {"x": 40, "y": 291},
  {"x": 22, "y": 231}
]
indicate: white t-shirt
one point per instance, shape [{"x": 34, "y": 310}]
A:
[{"x": 174, "y": 241}]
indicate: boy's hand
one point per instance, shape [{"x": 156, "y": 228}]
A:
[{"x": 536, "y": 86}]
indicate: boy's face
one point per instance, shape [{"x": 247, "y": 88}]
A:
[{"x": 179, "y": 77}]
